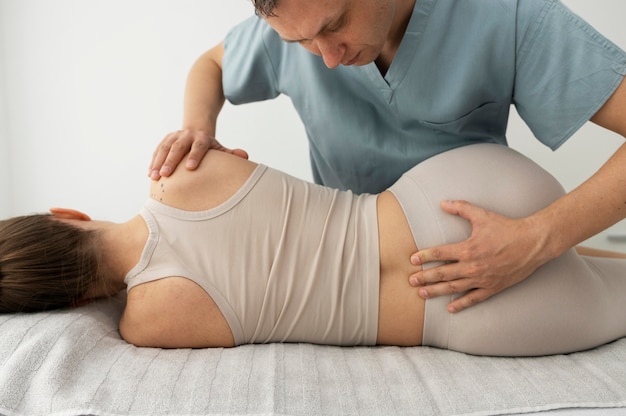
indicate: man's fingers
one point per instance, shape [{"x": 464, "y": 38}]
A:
[
  {"x": 461, "y": 208},
  {"x": 173, "y": 149},
  {"x": 445, "y": 287},
  {"x": 444, "y": 273},
  {"x": 197, "y": 152},
  {"x": 159, "y": 156},
  {"x": 177, "y": 151},
  {"x": 241, "y": 153},
  {"x": 471, "y": 298},
  {"x": 442, "y": 253}
]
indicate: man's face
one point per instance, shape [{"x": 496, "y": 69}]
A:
[{"x": 343, "y": 32}]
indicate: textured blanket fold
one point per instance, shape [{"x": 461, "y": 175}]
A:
[{"x": 73, "y": 362}]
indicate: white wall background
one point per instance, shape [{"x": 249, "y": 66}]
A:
[
  {"x": 89, "y": 87},
  {"x": 5, "y": 168}
]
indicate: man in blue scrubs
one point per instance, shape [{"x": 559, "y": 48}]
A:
[{"x": 381, "y": 85}]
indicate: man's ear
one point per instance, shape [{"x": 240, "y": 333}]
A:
[{"x": 69, "y": 214}]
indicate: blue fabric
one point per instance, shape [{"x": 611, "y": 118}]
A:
[{"x": 460, "y": 66}]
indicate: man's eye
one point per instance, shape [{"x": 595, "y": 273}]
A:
[
  {"x": 334, "y": 29},
  {"x": 337, "y": 26}
]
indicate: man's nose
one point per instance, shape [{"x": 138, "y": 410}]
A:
[{"x": 332, "y": 52}]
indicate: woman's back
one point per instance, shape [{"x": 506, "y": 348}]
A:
[{"x": 282, "y": 259}]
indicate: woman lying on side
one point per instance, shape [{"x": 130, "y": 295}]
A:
[{"x": 237, "y": 253}]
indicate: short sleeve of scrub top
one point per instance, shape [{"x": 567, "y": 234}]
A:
[{"x": 566, "y": 71}]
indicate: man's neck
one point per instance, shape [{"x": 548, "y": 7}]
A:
[{"x": 404, "y": 10}]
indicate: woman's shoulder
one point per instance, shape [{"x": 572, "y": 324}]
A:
[{"x": 218, "y": 177}]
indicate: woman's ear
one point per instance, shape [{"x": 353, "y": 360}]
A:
[
  {"x": 81, "y": 302},
  {"x": 69, "y": 214}
]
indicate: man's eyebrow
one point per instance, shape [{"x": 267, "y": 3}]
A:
[{"x": 322, "y": 28}]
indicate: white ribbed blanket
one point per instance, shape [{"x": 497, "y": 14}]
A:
[{"x": 74, "y": 362}]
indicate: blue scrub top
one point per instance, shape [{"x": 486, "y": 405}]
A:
[{"x": 460, "y": 66}]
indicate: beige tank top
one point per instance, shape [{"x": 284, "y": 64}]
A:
[{"x": 285, "y": 260}]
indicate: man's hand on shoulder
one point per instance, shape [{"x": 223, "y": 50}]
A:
[{"x": 175, "y": 146}]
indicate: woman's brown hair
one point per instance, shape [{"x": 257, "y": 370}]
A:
[{"x": 44, "y": 263}]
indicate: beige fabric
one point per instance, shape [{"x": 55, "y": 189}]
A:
[
  {"x": 285, "y": 260},
  {"x": 570, "y": 304}
]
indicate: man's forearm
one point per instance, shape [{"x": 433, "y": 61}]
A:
[
  {"x": 601, "y": 200},
  {"x": 589, "y": 209},
  {"x": 204, "y": 95}
]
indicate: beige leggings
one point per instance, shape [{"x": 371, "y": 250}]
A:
[{"x": 570, "y": 304}]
